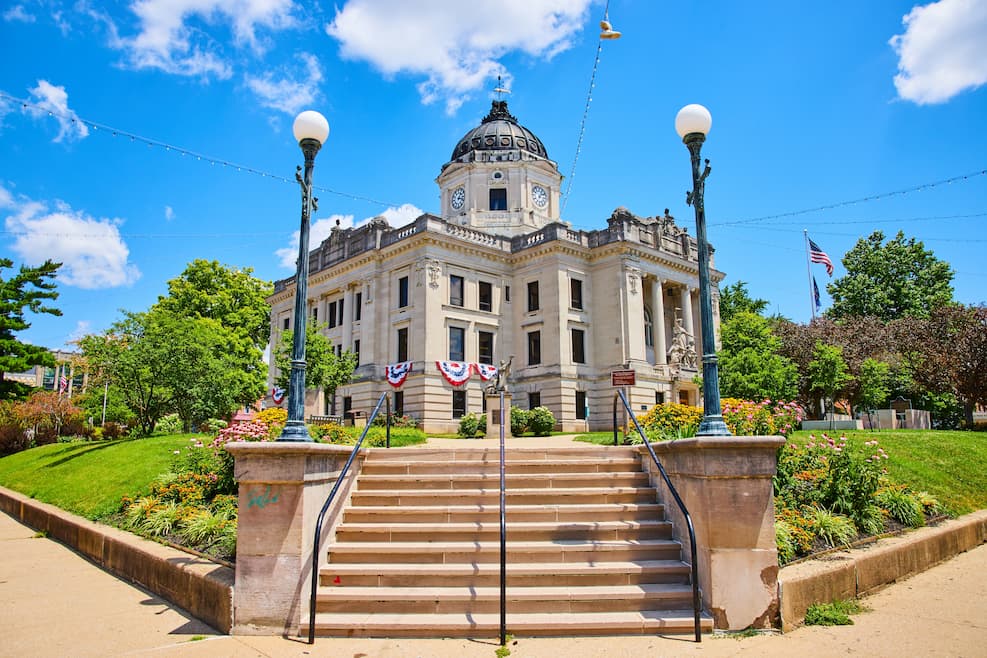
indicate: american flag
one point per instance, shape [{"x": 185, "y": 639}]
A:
[{"x": 817, "y": 255}]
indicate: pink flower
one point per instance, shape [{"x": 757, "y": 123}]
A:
[{"x": 176, "y": 452}]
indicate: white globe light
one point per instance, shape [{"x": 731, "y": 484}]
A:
[
  {"x": 693, "y": 119},
  {"x": 311, "y": 125}
]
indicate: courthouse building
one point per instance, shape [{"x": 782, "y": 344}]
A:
[{"x": 500, "y": 277}]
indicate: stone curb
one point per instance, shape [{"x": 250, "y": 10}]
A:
[
  {"x": 849, "y": 574},
  {"x": 201, "y": 587}
]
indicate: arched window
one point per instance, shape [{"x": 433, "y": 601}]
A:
[{"x": 649, "y": 334}]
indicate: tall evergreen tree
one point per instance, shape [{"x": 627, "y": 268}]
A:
[{"x": 26, "y": 291}]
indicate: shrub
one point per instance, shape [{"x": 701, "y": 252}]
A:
[
  {"x": 930, "y": 504},
  {"x": 671, "y": 421},
  {"x": 112, "y": 431},
  {"x": 468, "y": 425},
  {"x": 746, "y": 418},
  {"x": 901, "y": 505},
  {"x": 541, "y": 421},
  {"x": 785, "y": 541},
  {"x": 272, "y": 416},
  {"x": 871, "y": 520},
  {"x": 170, "y": 424},
  {"x": 519, "y": 421},
  {"x": 203, "y": 526},
  {"x": 163, "y": 520},
  {"x": 212, "y": 425},
  {"x": 834, "y": 529}
]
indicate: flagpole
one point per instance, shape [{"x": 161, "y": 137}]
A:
[{"x": 808, "y": 272}]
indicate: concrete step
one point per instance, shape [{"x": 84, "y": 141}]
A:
[
  {"x": 514, "y": 513},
  {"x": 442, "y": 600},
  {"x": 459, "y": 481},
  {"x": 562, "y": 550},
  {"x": 609, "y": 465},
  {"x": 492, "y": 454},
  {"x": 518, "y": 624},
  {"x": 538, "y": 574},
  {"x": 515, "y": 496},
  {"x": 516, "y": 531}
]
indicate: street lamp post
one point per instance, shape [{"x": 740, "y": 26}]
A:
[
  {"x": 310, "y": 129},
  {"x": 692, "y": 123}
]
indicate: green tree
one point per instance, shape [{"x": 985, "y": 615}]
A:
[
  {"x": 323, "y": 368},
  {"x": 25, "y": 291},
  {"x": 231, "y": 296},
  {"x": 828, "y": 372},
  {"x": 874, "y": 383},
  {"x": 890, "y": 280},
  {"x": 735, "y": 299},
  {"x": 751, "y": 366},
  {"x": 117, "y": 410}
]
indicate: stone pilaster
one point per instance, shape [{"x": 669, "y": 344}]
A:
[{"x": 658, "y": 321}]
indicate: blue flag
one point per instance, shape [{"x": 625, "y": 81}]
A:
[{"x": 815, "y": 293}]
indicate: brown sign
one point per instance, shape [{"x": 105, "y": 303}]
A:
[{"x": 622, "y": 378}]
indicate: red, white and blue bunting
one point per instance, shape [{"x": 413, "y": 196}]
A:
[
  {"x": 455, "y": 372},
  {"x": 277, "y": 395},
  {"x": 486, "y": 372},
  {"x": 396, "y": 373}
]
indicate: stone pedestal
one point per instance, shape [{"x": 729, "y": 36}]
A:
[
  {"x": 493, "y": 416},
  {"x": 726, "y": 484},
  {"x": 282, "y": 489}
]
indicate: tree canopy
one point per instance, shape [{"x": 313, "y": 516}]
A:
[
  {"x": 888, "y": 280},
  {"x": 26, "y": 291},
  {"x": 324, "y": 369},
  {"x": 735, "y": 299},
  {"x": 750, "y": 364}
]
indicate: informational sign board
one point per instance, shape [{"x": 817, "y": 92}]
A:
[{"x": 622, "y": 378}]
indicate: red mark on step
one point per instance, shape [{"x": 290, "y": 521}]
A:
[{"x": 336, "y": 581}]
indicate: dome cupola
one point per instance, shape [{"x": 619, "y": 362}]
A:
[{"x": 499, "y": 131}]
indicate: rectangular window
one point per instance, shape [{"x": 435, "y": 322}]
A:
[
  {"x": 498, "y": 198},
  {"x": 332, "y": 314},
  {"x": 576, "y": 294},
  {"x": 315, "y": 314},
  {"x": 402, "y": 292},
  {"x": 457, "y": 341},
  {"x": 285, "y": 324},
  {"x": 398, "y": 403},
  {"x": 455, "y": 290},
  {"x": 402, "y": 344},
  {"x": 534, "y": 400},
  {"x": 532, "y": 296},
  {"x": 578, "y": 346},
  {"x": 580, "y": 405},
  {"x": 340, "y": 321},
  {"x": 358, "y": 309},
  {"x": 507, "y": 293},
  {"x": 356, "y": 350},
  {"x": 347, "y": 406},
  {"x": 486, "y": 347},
  {"x": 659, "y": 397},
  {"x": 486, "y": 296},
  {"x": 458, "y": 404},
  {"x": 534, "y": 348}
]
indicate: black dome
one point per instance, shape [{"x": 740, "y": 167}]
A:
[{"x": 499, "y": 131}]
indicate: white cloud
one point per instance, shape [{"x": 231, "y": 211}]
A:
[
  {"x": 288, "y": 94},
  {"x": 19, "y": 14},
  {"x": 82, "y": 329},
  {"x": 53, "y": 100},
  {"x": 943, "y": 50},
  {"x": 91, "y": 250},
  {"x": 172, "y": 37},
  {"x": 455, "y": 45},
  {"x": 321, "y": 229},
  {"x": 169, "y": 213}
]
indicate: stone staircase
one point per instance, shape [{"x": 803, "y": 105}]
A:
[{"x": 589, "y": 551}]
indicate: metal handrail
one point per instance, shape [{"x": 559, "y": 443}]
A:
[
  {"x": 696, "y": 596},
  {"x": 503, "y": 532},
  {"x": 329, "y": 499}
]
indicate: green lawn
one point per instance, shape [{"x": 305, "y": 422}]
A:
[
  {"x": 950, "y": 465},
  {"x": 89, "y": 479}
]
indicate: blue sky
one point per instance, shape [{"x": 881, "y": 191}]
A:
[{"x": 814, "y": 105}]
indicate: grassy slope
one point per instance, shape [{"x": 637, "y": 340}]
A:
[
  {"x": 952, "y": 466},
  {"x": 89, "y": 478}
]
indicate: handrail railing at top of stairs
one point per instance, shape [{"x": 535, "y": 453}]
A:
[
  {"x": 696, "y": 596},
  {"x": 325, "y": 508}
]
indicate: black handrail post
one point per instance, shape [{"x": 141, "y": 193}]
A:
[
  {"x": 503, "y": 533},
  {"x": 696, "y": 594},
  {"x": 615, "y": 420},
  {"x": 322, "y": 516},
  {"x": 388, "y": 430}
]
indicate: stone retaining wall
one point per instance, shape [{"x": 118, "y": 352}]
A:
[
  {"x": 201, "y": 587},
  {"x": 848, "y": 574}
]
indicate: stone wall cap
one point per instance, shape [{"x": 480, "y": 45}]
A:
[
  {"x": 270, "y": 448},
  {"x": 720, "y": 443}
]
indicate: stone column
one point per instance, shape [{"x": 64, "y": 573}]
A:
[
  {"x": 685, "y": 302},
  {"x": 658, "y": 321},
  {"x": 726, "y": 484},
  {"x": 348, "y": 298},
  {"x": 282, "y": 487}
]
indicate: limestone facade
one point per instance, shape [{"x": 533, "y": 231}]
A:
[{"x": 500, "y": 275}]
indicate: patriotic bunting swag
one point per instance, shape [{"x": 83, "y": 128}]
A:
[
  {"x": 277, "y": 395},
  {"x": 455, "y": 372},
  {"x": 396, "y": 373},
  {"x": 486, "y": 372}
]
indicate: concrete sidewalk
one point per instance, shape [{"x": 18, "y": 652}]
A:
[{"x": 55, "y": 603}]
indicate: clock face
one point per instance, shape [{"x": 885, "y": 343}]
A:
[
  {"x": 458, "y": 198},
  {"x": 539, "y": 195}
]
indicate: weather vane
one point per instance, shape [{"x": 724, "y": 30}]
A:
[{"x": 500, "y": 89}]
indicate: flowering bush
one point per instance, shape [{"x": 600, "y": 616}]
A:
[
  {"x": 541, "y": 421},
  {"x": 275, "y": 419},
  {"x": 519, "y": 421},
  {"x": 764, "y": 418},
  {"x": 670, "y": 421}
]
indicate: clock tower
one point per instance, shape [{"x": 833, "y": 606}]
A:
[{"x": 500, "y": 178}]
